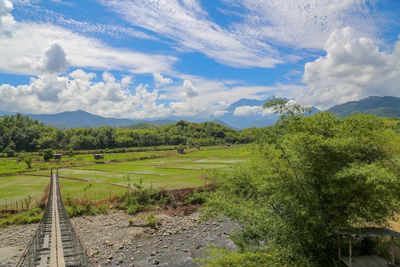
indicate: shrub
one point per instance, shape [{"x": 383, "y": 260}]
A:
[
  {"x": 47, "y": 154},
  {"x": 9, "y": 152},
  {"x": 152, "y": 221},
  {"x": 216, "y": 257},
  {"x": 28, "y": 161},
  {"x": 144, "y": 198},
  {"x": 31, "y": 216}
]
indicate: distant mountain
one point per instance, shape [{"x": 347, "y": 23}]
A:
[
  {"x": 79, "y": 118},
  {"x": 385, "y": 106},
  {"x": 254, "y": 120}
]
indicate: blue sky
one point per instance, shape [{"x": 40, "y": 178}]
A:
[{"x": 192, "y": 58}]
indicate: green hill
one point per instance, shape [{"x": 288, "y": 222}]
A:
[{"x": 386, "y": 106}]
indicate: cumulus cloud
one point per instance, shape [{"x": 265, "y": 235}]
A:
[
  {"x": 160, "y": 80},
  {"x": 219, "y": 113},
  {"x": 49, "y": 93},
  {"x": 190, "y": 90},
  {"x": 111, "y": 97},
  {"x": 247, "y": 111},
  {"x": 6, "y": 19},
  {"x": 353, "y": 68},
  {"x": 55, "y": 59},
  {"x": 26, "y": 42}
]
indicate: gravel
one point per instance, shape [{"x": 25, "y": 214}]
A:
[{"x": 112, "y": 241}]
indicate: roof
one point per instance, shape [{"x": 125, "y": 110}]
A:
[{"x": 370, "y": 232}]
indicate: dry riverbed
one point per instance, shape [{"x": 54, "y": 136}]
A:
[{"x": 111, "y": 241}]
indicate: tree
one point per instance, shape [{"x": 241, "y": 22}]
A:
[
  {"x": 310, "y": 177},
  {"x": 28, "y": 161},
  {"x": 47, "y": 154}
]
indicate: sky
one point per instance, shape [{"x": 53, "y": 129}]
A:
[{"x": 147, "y": 59}]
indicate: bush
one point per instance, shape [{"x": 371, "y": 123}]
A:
[
  {"x": 103, "y": 208},
  {"x": 31, "y": 216},
  {"x": 76, "y": 208},
  {"x": 152, "y": 221},
  {"x": 9, "y": 152},
  {"x": 144, "y": 199},
  {"x": 198, "y": 198},
  {"x": 47, "y": 154},
  {"x": 28, "y": 161},
  {"x": 215, "y": 257}
]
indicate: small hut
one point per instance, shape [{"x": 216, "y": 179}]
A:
[
  {"x": 367, "y": 260},
  {"x": 181, "y": 150},
  {"x": 98, "y": 156},
  {"x": 57, "y": 156}
]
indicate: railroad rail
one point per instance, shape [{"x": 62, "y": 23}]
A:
[{"x": 55, "y": 242}]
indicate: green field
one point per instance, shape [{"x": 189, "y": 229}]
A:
[{"x": 116, "y": 175}]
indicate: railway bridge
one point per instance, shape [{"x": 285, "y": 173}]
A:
[{"x": 55, "y": 242}]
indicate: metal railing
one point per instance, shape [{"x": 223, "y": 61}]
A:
[{"x": 74, "y": 252}]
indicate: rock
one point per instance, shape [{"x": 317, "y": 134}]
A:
[{"x": 156, "y": 262}]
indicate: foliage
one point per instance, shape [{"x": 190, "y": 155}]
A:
[
  {"x": 216, "y": 257},
  {"x": 10, "y": 150},
  {"x": 143, "y": 199},
  {"x": 198, "y": 197},
  {"x": 310, "y": 177},
  {"x": 28, "y": 161},
  {"x": 79, "y": 208},
  {"x": 152, "y": 221},
  {"x": 47, "y": 154},
  {"x": 20, "y": 133},
  {"x": 31, "y": 216}
]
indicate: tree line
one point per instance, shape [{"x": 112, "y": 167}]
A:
[{"x": 19, "y": 133}]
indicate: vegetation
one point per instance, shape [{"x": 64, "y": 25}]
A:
[
  {"x": 142, "y": 199},
  {"x": 216, "y": 257},
  {"x": 20, "y": 133},
  {"x": 26, "y": 217},
  {"x": 309, "y": 178}
]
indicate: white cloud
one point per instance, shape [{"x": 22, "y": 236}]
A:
[
  {"x": 187, "y": 24},
  {"x": 190, "y": 90},
  {"x": 6, "y": 19},
  {"x": 55, "y": 59},
  {"x": 49, "y": 93},
  {"x": 258, "y": 33},
  {"x": 160, "y": 80},
  {"x": 219, "y": 113},
  {"x": 247, "y": 111},
  {"x": 111, "y": 97},
  {"x": 301, "y": 23},
  {"x": 353, "y": 68},
  {"x": 115, "y": 31},
  {"x": 26, "y": 43}
]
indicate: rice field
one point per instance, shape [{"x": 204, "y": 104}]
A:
[{"x": 118, "y": 173}]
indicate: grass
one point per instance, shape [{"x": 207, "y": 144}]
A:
[
  {"x": 17, "y": 188},
  {"x": 98, "y": 181}
]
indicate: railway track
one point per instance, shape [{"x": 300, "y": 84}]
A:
[{"x": 55, "y": 242}]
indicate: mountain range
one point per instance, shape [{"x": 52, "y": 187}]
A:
[{"x": 381, "y": 106}]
